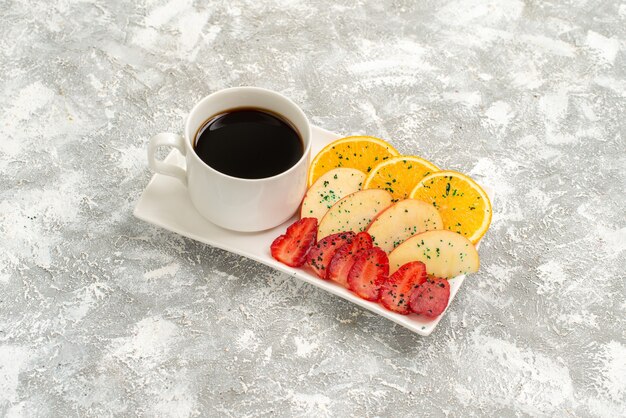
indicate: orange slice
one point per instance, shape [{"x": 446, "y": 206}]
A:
[
  {"x": 360, "y": 152},
  {"x": 463, "y": 205},
  {"x": 399, "y": 175}
]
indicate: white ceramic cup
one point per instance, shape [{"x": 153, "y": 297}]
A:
[{"x": 234, "y": 203}]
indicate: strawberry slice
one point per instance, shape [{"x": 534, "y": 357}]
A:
[
  {"x": 431, "y": 297},
  {"x": 368, "y": 273},
  {"x": 292, "y": 247},
  {"x": 346, "y": 255},
  {"x": 320, "y": 255},
  {"x": 396, "y": 291}
]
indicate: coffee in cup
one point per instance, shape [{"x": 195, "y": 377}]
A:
[
  {"x": 249, "y": 143},
  {"x": 246, "y": 153}
]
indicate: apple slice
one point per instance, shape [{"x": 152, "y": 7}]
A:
[
  {"x": 445, "y": 253},
  {"x": 329, "y": 189},
  {"x": 354, "y": 212},
  {"x": 401, "y": 221}
]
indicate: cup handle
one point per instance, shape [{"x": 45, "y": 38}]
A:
[{"x": 167, "y": 140}]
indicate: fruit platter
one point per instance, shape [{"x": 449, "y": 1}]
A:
[
  {"x": 393, "y": 234},
  {"x": 391, "y": 228}
]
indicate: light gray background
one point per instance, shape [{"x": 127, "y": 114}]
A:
[{"x": 101, "y": 314}]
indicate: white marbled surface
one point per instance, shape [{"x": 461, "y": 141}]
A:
[{"x": 103, "y": 315}]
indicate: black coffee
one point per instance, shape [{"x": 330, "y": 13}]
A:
[{"x": 248, "y": 143}]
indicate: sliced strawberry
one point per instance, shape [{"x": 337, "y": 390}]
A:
[
  {"x": 346, "y": 255},
  {"x": 431, "y": 297},
  {"x": 292, "y": 247},
  {"x": 368, "y": 273},
  {"x": 396, "y": 291},
  {"x": 320, "y": 255}
]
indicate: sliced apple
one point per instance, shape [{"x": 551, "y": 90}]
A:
[
  {"x": 354, "y": 212},
  {"x": 445, "y": 253},
  {"x": 401, "y": 221},
  {"x": 331, "y": 187}
]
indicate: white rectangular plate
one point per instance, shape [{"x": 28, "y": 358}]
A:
[{"x": 165, "y": 203}]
